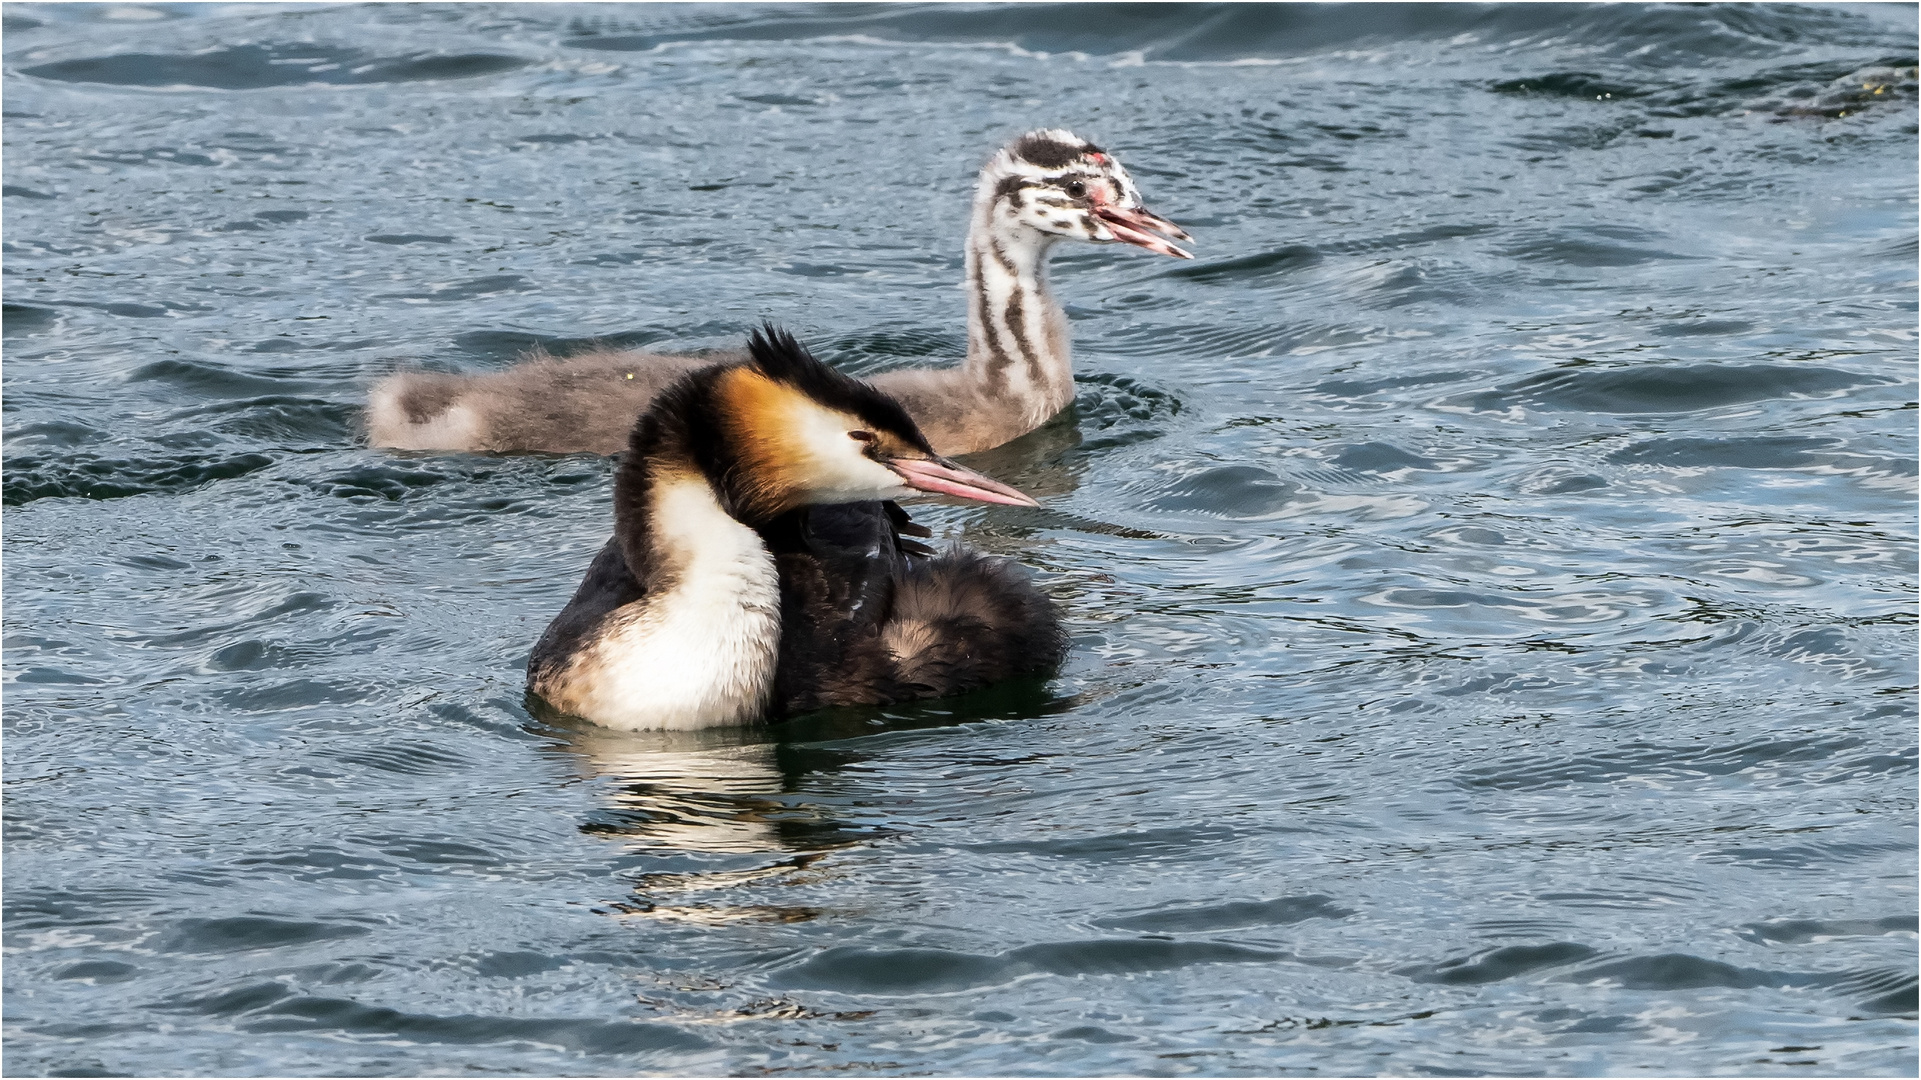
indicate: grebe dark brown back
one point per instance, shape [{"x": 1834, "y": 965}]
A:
[
  {"x": 1042, "y": 188},
  {"x": 754, "y": 573}
]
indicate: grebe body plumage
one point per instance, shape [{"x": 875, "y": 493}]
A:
[
  {"x": 760, "y": 569},
  {"x": 1044, "y": 187}
]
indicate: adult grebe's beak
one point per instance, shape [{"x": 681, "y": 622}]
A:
[{"x": 943, "y": 477}]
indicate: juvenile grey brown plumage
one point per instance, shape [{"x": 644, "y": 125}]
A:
[{"x": 1043, "y": 187}]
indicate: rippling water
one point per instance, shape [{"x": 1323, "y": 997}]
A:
[{"x": 1491, "y": 566}]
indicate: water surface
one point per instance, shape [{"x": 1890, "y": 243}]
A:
[{"x": 1490, "y": 566}]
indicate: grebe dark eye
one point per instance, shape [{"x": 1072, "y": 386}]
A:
[
  {"x": 861, "y": 436},
  {"x": 1076, "y": 189}
]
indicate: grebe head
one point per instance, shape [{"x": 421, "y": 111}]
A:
[
  {"x": 1057, "y": 184},
  {"x": 802, "y": 434}
]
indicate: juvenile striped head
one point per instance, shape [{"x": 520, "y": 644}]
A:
[
  {"x": 798, "y": 433},
  {"x": 1057, "y": 184}
]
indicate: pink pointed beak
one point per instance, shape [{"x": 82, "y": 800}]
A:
[
  {"x": 1134, "y": 225},
  {"x": 943, "y": 477}
]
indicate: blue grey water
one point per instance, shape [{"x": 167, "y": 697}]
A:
[{"x": 1490, "y": 566}]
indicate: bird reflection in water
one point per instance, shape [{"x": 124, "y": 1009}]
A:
[
  {"x": 706, "y": 802},
  {"x": 713, "y": 804}
]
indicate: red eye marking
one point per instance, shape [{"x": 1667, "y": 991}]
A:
[{"x": 1097, "y": 157}]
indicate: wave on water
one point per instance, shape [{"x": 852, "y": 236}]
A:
[
  {"x": 254, "y": 67},
  {"x": 1671, "y": 62},
  {"x": 1663, "y": 54},
  {"x": 1666, "y": 387},
  {"x": 1651, "y": 36},
  {"x": 68, "y": 475}
]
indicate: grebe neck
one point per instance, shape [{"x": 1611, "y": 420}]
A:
[{"x": 1017, "y": 341}]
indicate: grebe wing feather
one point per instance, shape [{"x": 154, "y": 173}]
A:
[{"x": 607, "y": 586}]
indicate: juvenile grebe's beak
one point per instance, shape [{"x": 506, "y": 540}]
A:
[
  {"x": 943, "y": 477},
  {"x": 1134, "y": 225}
]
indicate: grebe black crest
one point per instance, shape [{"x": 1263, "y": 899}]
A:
[
  {"x": 760, "y": 569},
  {"x": 1044, "y": 187}
]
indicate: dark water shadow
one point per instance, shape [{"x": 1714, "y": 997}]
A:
[
  {"x": 1016, "y": 699},
  {"x": 911, "y": 971},
  {"x": 28, "y": 319},
  {"x": 271, "y": 1007},
  {"x": 30, "y": 477},
  {"x": 1665, "y": 387},
  {"x": 256, "y": 67}
]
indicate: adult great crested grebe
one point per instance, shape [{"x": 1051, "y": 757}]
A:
[
  {"x": 753, "y": 574},
  {"x": 1043, "y": 187}
]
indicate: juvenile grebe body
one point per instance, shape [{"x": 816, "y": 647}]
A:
[{"x": 1044, "y": 187}]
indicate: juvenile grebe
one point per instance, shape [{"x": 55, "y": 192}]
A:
[
  {"x": 753, "y": 574},
  {"x": 1043, "y": 187}
]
